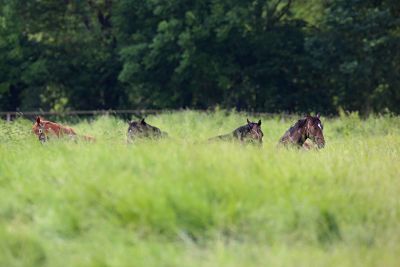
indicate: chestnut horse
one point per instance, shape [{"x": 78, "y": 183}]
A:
[
  {"x": 43, "y": 129},
  {"x": 307, "y": 128}
]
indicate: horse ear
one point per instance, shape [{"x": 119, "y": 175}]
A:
[
  {"x": 248, "y": 122},
  {"x": 38, "y": 120},
  {"x": 142, "y": 121},
  {"x": 259, "y": 123},
  {"x": 318, "y": 115}
]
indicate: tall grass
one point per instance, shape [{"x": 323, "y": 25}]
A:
[{"x": 185, "y": 202}]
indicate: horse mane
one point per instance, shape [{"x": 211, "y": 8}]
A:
[{"x": 299, "y": 124}]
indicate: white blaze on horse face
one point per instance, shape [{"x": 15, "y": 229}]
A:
[{"x": 319, "y": 125}]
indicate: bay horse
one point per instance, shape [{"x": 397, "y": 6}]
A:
[
  {"x": 310, "y": 127},
  {"x": 43, "y": 129},
  {"x": 141, "y": 129},
  {"x": 249, "y": 133}
]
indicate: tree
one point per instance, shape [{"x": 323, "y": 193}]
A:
[
  {"x": 246, "y": 54},
  {"x": 273, "y": 55},
  {"x": 69, "y": 54},
  {"x": 357, "y": 50}
]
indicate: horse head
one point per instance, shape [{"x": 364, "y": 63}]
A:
[
  {"x": 314, "y": 130},
  {"x": 254, "y": 132},
  {"x": 40, "y": 130}
]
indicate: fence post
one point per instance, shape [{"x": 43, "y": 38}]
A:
[{"x": 8, "y": 117}]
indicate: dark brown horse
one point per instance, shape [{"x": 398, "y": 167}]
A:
[
  {"x": 43, "y": 129},
  {"x": 249, "y": 133},
  {"x": 307, "y": 128},
  {"x": 141, "y": 129}
]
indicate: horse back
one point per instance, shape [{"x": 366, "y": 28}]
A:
[
  {"x": 224, "y": 137},
  {"x": 59, "y": 129},
  {"x": 285, "y": 139}
]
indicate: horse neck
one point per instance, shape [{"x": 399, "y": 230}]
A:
[{"x": 299, "y": 135}]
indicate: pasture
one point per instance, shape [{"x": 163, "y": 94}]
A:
[{"x": 185, "y": 202}]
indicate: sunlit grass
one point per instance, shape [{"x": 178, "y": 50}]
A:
[{"x": 186, "y": 202}]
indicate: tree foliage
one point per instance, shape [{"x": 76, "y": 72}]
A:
[
  {"x": 360, "y": 43},
  {"x": 269, "y": 55}
]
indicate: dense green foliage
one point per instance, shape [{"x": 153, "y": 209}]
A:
[
  {"x": 186, "y": 202},
  {"x": 273, "y": 55}
]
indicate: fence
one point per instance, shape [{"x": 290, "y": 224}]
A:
[{"x": 10, "y": 115}]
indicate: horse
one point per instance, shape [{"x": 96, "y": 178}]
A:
[
  {"x": 249, "y": 133},
  {"x": 141, "y": 129},
  {"x": 310, "y": 127},
  {"x": 43, "y": 129}
]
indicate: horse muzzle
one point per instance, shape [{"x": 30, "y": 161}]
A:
[{"x": 320, "y": 143}]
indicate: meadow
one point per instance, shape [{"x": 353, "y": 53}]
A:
[{"x": 185, "y": 202}]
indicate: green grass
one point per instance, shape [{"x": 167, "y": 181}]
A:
[{"x": 185, "y": 202}]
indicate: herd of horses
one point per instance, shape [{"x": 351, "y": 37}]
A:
[{"x": 307, "y": 128}]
